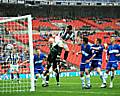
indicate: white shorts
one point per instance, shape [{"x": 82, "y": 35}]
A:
[
  {"x": 60, "y": 43},
  {"x": 64, "y": 45}
]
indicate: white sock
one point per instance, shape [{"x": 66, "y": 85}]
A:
[
  {"x": 105, "y": 76},
  {"x": 83, "y": 81},
  {"x": 88, "y": 80},
  {"x": 43, "y": 79},
  {"x": 112, "y": 77},
  {"x": 47, "y": 81},
  {"x": 102, "y": 78}
]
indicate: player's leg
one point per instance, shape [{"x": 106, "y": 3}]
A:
[
  {"x": 47, "y": 79},
  {"x": 87, "y": 72},
  {"x": 82, "y": 69},
  {"x": 6, "y": 71},
  {"x": 56, "y": 71},
  {"x": 98, "y": 69},
  {"x": 41, "y": 71},
  {"x": 103, "y": 85},
  {"x": 112, "y": 77},
  {"x": 60, "y": 50},
  {"x": 17, "y": 72},
  {"x": 18, "y": 75},
  {"x": 58, "y": 59},
  {"x": 12, "y": 76},
  {"x": 57, "y": 76},
  {"x": 46, "y": 75},
  {"x": 11, "y": 71},
  {"x": 36, "y": 75},
  {"x": 66, "y": 52},
  {"x": 36, "y": 72},
  {"x": 113, "y": 68},
  {"x": 108, "y": 69},
  {"x": 92, "y": 67}
]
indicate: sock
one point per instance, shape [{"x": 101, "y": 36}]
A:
[
  {"x": 66, "y": 55},
  {"x": 57, "y": 77},
  {"x": 102, "y": 78},
  {"x": 12, "y": 76},
  {"x": 83, "y": 81},
  {"x": 18, "y": 76},
  {"x": 88, "y": 80},
  {"x": 43, "y": 79},
  {"x": 112, "y": 77},
  {"x": 47, "y": 82},
  {"x": 36, "y": 78},
  {"x": 47, "y": 79},
  {"x": 105, "y": 76}
]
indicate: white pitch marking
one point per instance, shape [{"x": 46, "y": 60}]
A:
[{"x": 81, "y": 92}]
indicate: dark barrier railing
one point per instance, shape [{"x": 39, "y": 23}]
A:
[{"x": 61, "y": 11}]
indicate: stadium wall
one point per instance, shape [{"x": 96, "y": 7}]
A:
[{"x": 61, "y": 11}]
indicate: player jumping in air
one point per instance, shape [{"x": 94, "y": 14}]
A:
[
  {"x": 112, "y": 59},
  {"x": 66, "y": 35},
  {"x": 55, "y": 51}
]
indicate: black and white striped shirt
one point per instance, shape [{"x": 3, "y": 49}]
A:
[
  {"x": 67, "y": 35},
  {"x": 13, "y": 58}
]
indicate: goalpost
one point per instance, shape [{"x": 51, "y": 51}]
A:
[{"x": 16, "y": 54}]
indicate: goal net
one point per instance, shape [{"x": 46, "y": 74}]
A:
[{"x": 16, "y": 54}]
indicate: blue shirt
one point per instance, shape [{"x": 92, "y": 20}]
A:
[
  {"x": 98, "y": 52},
  {"x": 112, "y": 51},
  {"x": 86, "y": 53},
  {"x": 119, "y": 56},
  {"x": 38, "y": 59}
]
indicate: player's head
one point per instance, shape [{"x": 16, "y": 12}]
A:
[
  {"x": 50, "y": 35},
  {"x": 98, "y": 41},
  {"x": 85, "y": 40},
  {"x": 112, "y": 40},
  {"x": 14, "y": 50},
  {"x": 38, "y": 51},
  {"x": 69, "y": 28}
]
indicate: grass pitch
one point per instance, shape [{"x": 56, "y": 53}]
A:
[{"x": 71, "y": 86}]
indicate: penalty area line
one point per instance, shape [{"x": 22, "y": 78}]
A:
[{"x": 79, "y": 92}]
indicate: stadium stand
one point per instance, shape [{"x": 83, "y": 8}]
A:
[{"x": 41, "y": 43}]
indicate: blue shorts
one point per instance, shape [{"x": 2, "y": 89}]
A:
[
  {"x": 85, "y": 66},
  {"x": 112, "y": 65},
  {"x": 96, "y": 64},
  {"x": 38, "y": 69}
]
